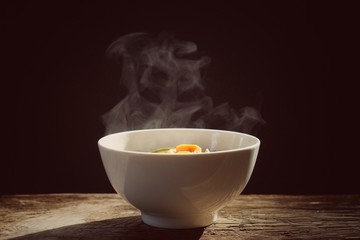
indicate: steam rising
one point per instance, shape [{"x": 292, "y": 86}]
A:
[{"x": 163, "y": 77}]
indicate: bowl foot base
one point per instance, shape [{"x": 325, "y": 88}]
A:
[{"x": 178, "y": 222}]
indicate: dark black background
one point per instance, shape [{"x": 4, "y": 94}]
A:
[{"x": 275, "y": 56}]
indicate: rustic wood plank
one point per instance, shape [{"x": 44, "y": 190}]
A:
[{"x": 107, "y": 216}]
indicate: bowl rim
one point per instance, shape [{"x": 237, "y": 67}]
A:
[{"x": 252, "y": 146}]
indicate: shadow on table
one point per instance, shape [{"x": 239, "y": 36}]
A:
[{"x": 117, "y": 228}]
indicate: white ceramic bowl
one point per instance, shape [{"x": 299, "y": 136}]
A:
[{"x": 178, "y": 190}]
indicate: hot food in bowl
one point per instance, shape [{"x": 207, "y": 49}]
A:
[{"x": 184, "y": 189}]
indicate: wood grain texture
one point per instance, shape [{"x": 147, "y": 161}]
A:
[{"x": 107, "y": 216}]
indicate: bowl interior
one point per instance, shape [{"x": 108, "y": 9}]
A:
[{"x": 148, "y": 140}]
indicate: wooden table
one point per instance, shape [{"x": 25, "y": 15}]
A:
[{"x": 107, "y": 216}]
